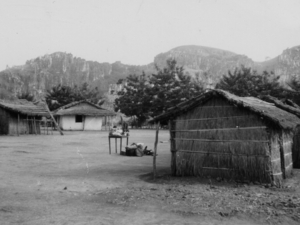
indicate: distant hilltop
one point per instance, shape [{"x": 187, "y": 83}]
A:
[
  {"x": 213, "y": 63},
  {"x": 40, "y": 74},
  {"x": 210, "y": 63}
]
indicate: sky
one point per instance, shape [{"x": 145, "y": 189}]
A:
[{"x": 135, "y": 31}]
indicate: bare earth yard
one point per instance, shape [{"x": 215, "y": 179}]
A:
[{"x": 71, "y": 179}]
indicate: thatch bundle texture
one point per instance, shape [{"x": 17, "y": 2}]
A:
[
  {"x": 296, "y": 149},
  {"x": 226, "y": 136},
  {"x": 24, "y": 125},
  {"x": 21, "y": 117}
]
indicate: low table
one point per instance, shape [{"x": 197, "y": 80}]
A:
[{"x": 116, "y": 138}]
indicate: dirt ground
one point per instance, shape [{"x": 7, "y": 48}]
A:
[{"x": 71, "y": 179}]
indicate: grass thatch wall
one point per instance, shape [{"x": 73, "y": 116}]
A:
[
  {"x": 287, "y": 144},
  {"x": 14, "y": 127},
  {"x": 3, "y": 121},
  {"x": 220, "y": 140},
  {"x": 33, "y": 124},
  {"x": 296, "y": 149},
  {"x": 25, "y": 124},
  {"x": 277, "y": 154}
]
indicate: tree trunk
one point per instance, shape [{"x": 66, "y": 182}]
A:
[{"x": 155, "y": 150}]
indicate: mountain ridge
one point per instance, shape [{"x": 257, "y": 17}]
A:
[{"x": 210, "y": 64}]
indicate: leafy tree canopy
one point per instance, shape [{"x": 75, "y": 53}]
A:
[
  {"x": 170, "y": 86},
  {"x": 294, "y": 83},
  {"x": 294, "y": 89},
  {"x": 26, "y": 95},
  {"x": 135, "y": 98},
  {"x": 148, "y": 96},
  {"x": 245, "y": 82},
  {"x": 61, "y": 95}
]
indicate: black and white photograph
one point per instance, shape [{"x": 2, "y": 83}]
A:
[{"x": 149, "y": 112}]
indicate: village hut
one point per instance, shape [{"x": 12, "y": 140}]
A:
[
  {"x": 21, "y": 117},
  {"x": 293, "y": 108},
  {"x": 83, "y": 115},
  {"x": 218, "y": 134}
]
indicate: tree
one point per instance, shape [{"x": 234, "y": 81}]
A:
[
  {"x": 294, "y": 89},
  {"x": 294, "y": 83},
  {"x": 26, "y": 95},
  {"x": 170, "y": 86},
  {"x": 58, "y": 96},
  {"x": 245, "y": 82},
  {"x": 61, "y": 95},
  {"x": 145, "y": 97},
  {"x": 86, "y": 92},
  {"x": 135, "y": 99},
  {"x": 120, "y": 81}
]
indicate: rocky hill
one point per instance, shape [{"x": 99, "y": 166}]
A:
[
  {"x": 42, "y": 73},
  {"x": 213, "y": 63},
  {"x": 285, "y": 65},
  {"x": 210, "y": 64}
]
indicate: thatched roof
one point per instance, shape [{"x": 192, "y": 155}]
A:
[
  {"x": 292, "y": 108},
  {"x": 268, "y": 111},
  {"x": 25, "y": 107},
  {"x": 84, "y": 108}
]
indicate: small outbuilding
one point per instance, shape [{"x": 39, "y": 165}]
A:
[
  {"x": 218, "y": 134},
  {"x": 83, "y": 115},
  {"x": 293, "y": 108},
  {"x": 21, "y": 117}
]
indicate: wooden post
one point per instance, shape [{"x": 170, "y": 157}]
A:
[
  {"x": 172, "y": 148},
  {"x": 109, "y": 123},
  {"x": 83, "y": 121},
  {"x": 281, "y": 149},
  {"x": 18, "y": 132},
  {"x": 121, "y": 140},
  {"x": 28, "y": 126},
  {"x": 106, "y": 121},
  {"x": 38, "y": 127},
  {"x": 58, "y": 128},
  {"x": 51, "y": 131},
  {"x": 34, "y": 124},
  {"x": 109, "y": 145},
  {"x": 155, "y": 150},
  {"x": 47, "y": 125}
]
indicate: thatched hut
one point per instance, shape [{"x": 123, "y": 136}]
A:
[
  {"x": 219, "y": 134},
  {"x": 20, "y": 117},
  {"x": 83, "y": 115},
  {"x": 293, "y": 108}
]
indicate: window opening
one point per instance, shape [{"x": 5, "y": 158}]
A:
[{"x": 78, "y": 119}]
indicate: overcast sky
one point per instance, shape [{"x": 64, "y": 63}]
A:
[{"x": 134, "y": 31}]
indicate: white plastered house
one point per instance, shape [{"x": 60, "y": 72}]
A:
[{"x": 83, "y": 115}]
